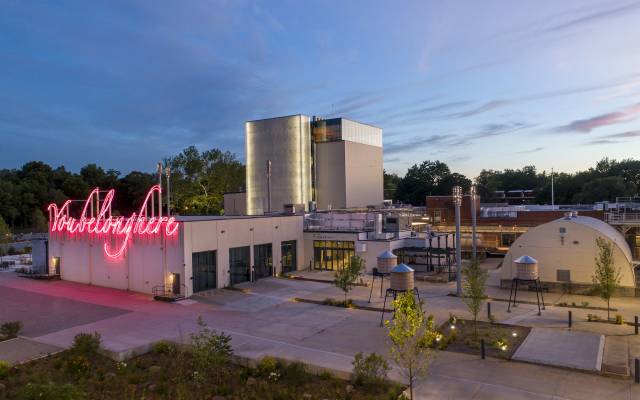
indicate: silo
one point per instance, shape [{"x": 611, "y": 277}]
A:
[
  {"x": 402, "y": 278},
  {"x": 526, "y": 268},
  {"x": 386, "y": 261},
  {"x": 286, "y": 143}
]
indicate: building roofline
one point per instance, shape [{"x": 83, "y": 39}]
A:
[{"x": 280, "y": 117}]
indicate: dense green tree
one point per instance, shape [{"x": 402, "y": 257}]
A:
[
  {"x": 421, "y": 181},
  {"x": 390, "y": 184},
  {"x": 603, "y": 189}
]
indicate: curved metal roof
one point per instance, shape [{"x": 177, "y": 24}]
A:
[{"x": 604, "y": 229}]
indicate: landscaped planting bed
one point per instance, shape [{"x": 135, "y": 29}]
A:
[
  {"x": 169, "y": 373},
  {"x": 501, "y": 341}
]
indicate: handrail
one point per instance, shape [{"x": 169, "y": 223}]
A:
[{"x": 167, "y": 290}]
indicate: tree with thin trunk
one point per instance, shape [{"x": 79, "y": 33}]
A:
[
  {"x": 473, "y": 290},
  {"x": 411, "y": 339},
  {"x": 606, "y": 278},
  {"x": 345, "y": 277}
]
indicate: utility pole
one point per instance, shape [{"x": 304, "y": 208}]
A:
[
  {"x": 160, "y": 192},
  {"x": 473, "y": 220},
  {"x": 168, "y": 175},
  {"x": 457, "y": 200},
  {"x": 269, "y": 186},
  {"x": 553, "y": 197}
]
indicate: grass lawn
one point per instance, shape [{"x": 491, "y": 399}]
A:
[
  {"x": 500, "y": 341},
  {"x": 168, "y": 373}
]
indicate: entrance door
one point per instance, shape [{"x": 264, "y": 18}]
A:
[
  {"x": 203, "y": 265},
  {"x": 239, "y": 264},
  {"x": 262, "y": 256},
  {"x": 56, "y": 265},
  {"x": 289, "y": 257}
]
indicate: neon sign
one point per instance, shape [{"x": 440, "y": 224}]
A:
[{"x": 102, "y": 222}]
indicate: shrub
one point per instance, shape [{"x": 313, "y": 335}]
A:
[
  {"x": 78, "y": 365},
  {"x": 209, "y": 349},
  {"x": 295, "y": 373},
  {"x": 86, "y": 343},
  {"x": 369, "y": 370},
  {"x": 5, "y": 368},
  {"x": 10, "y": 330},
  {"x": 51, "y": 391},
  {"x": 267, "y": 366},
  {"x": 619, "y": 319},
  {"x": 585, "y": 304},
  {"x": 164, "y": 347}
]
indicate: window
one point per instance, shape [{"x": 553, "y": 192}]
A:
[
  {"x": 437, "y": 216},
  {"x": 332, "y": 254}
]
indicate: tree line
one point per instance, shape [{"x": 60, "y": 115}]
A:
[
  {"x": 605, "y": 181},
  {"x": 198, "y": 181}
]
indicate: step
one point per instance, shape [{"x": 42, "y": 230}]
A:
[{"x": 615, "y": 360}]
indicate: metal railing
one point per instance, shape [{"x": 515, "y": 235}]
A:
[
  {"x": 167, "y": 291},
  {"x": 623, "y": 218}
]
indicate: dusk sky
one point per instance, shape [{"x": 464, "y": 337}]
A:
[{"x": 476, "y": 84}]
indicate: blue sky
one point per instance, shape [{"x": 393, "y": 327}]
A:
[{"x": 476, "y": 84}]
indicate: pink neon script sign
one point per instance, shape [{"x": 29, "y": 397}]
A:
[{"x": 103, "y": 223}]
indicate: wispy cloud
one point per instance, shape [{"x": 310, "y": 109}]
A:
[
  {"x": 600, "y": 142},
  {"x": 537, "y": 149},
  {"x": 587, "y": 125},
  {"x": 604, "y": 14},
  {"x": 624, "y": 135}
]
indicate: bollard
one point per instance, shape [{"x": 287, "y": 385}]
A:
[
  {"x": 482, "y": 352},
  {"x": 489, "y": 311},
  {"x": 570, "y": 319},
  {"x": 637, "y": 370},
  {"x": 636, "y": 324}
]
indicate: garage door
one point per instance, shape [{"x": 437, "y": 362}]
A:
[
  {"x": 239, "y": 264},
  {"x": 204, "y": 270}
]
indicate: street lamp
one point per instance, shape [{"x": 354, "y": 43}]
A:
[
  {"x": 473, "y": 221},
  {"x": 457, "y": 201}
]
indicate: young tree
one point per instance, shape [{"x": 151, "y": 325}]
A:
[
  {"x": 473, "y": 290},
  {"x": 345, "y": 278},
  {"x": 606, "y": 278},
  {"x": 410, "y": 339}
]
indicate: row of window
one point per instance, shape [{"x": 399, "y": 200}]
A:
[{"x": 332, "y": 254}]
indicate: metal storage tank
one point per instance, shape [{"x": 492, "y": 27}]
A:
[
  {"x": 402, "y": 278},
  {"x": 527, "y": 268},
  {"x": 386, "y": 261},
  {"x": 286, "y": 142}
]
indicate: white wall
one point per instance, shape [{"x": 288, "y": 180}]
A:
[
  {"x": 222, "y": 234},
  {"x": 576, "y": 252},
  {"x": 140, "y": 268}
]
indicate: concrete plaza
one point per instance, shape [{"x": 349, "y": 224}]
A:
[{"x": 266, "y": 321}]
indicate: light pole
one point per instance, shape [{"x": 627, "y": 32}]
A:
[
  {"x": 473, "y": 221},
  {"x": 457, "y": 201}
]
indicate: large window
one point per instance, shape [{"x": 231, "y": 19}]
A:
[
  {"x": 239, "y": 264},
  {"x": 289, "y": 256},
  {"x": 263, "y": 260},
  {"x": 332, "y": 254}
]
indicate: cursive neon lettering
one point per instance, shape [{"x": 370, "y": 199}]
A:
[{"x": 122, "y": 229}]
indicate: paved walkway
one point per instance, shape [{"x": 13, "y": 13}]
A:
[
  {"x": 21, "y": 350},
  {"x": 571, "y": 349},
  {"x": 266, "y": 321}
]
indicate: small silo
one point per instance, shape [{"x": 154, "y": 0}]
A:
[
  {"x": 402, "y": 278},
  {"x": 526, "y": 268},
  {"x": 386, "y": 261}
]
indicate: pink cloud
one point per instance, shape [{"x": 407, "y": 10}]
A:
[{"x": 587, "y": 125}]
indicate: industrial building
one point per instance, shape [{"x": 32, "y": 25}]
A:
[
  {"x": 566, "y": 251},
  {"x": 312, "y": 163}
]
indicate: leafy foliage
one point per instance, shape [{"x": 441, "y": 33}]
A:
[
  {"x": 606, "y": 277},
  {"x": 345, "y": 278},
  {"x": 209, "y": 350},
  {"x": 52, "y": 391},
  {"x": 86, "y": 343},
  {"x": 198, "y": 179},
  {"x": 411, "y": 338},
  {"x": 473, "y": 290},
  {"x": 10, "y": 330},
  {"x": 369, "y": 370}
]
